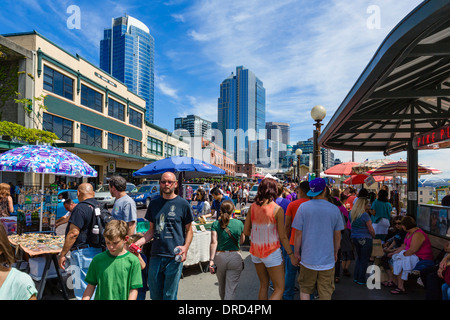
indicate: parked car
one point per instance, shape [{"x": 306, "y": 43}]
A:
[
  {"x": 252, "y": 193},
  {"x": 102, "y": 194},
  {"x": 63, "y": 195},
  {"x": 144, "y": 194}
]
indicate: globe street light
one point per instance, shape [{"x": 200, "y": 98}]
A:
[
  {"x": 298, "y": 152},
  {"x": 318, "y": 113}
]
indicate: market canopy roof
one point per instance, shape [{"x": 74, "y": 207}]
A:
[{"x": 403, "y": 91}]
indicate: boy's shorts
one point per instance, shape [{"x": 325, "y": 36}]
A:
[
  {"x": 272, "y": 260},
  {"x": 324, "y": 279}
]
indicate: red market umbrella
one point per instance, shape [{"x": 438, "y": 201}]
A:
[
  {"x": 400, "y": 168},
  {"x": 367, "y": 165},
  {"x": 257, "y": 175},
  {"x": 342, "y": 169},
  {"x": 360, "y": 178}
]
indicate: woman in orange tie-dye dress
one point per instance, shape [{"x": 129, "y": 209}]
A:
[{"x": 265, "y": 227}]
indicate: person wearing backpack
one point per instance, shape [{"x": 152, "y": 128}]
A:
[{"x": 82, "y": 238}]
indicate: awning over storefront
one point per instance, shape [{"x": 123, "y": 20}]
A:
[{"x": 403, "y": 92}]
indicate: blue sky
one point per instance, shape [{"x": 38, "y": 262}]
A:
[{"x": 305, "y": 52}]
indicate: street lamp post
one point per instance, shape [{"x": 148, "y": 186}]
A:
[
  {"x": 298, "y": 152},
  {"x": 318, "y": 113},
  {"x": 295, "y": 169}
]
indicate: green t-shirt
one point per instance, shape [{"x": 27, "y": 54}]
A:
[
  {"x": 224, "y": 242},
  {"x": 17, "y": 286},
  {"x": 114, "y": 276}
]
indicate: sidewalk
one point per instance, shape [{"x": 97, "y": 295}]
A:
[
  {"x": 198, "y": 285},
  {"x": 206, "y": 288}
]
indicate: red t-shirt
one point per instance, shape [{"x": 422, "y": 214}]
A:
[
  {"x": 291, "y": 211},
  {"x": 350, "y": 201}
]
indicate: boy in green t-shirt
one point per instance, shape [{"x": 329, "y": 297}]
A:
[{"x": 115, "y": 274}]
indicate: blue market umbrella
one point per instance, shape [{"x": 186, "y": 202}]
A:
[
  {"x": 188, "y": 166},
  {"x": 182, "y": 167}
]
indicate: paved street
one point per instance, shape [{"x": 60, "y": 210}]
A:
[{"x": 198, "y": 285}]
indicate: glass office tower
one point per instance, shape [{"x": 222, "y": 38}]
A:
[
  {"x": 127, "y": 52},
  {"x": 242, "y": 113}
]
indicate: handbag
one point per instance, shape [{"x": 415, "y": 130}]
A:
[
  {"x": 377, "y": 250},
  {"x": 235, "y": 243}
]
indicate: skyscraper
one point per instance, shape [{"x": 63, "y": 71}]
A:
[
  {"x": 242, "y": 113},
  {"x": 279, "y": 130},
  {"x": 279, "y": 133},
  {"x": 196, "y": 126},
  {"x": 127, "y": 52}
]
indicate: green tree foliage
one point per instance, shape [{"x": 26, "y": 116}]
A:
[{"x": 21, "y": 133}]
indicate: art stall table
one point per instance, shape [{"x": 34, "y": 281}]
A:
[
  {"x": 199, "y": 248},
  {"x": 42, "y": 249}
]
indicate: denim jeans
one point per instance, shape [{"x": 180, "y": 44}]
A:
[
  {"x": 290, "y": 273},
  {"x": 363, "y": 248},
  {"x": 164, "y": 274},
  {"x": 445, "y": 291},
  {"x": 79, "y": 264}
]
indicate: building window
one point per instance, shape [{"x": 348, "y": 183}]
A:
[
  {"x": 90, "y": 136},
  {"x": 58, "y": 83},
  {"x": 182, "y": 152},
  {"x": 135, "y": 118},
  {"x": 91, "y": 98},
  {"x": 116, "y": 109},
  {"x": 115, "y": 143},
  {"x": 154, "y": 146},
  {"x": 171, "y": 150},
  {"x": 135, "y": 147},
  {"x": 59, "y": 126}
]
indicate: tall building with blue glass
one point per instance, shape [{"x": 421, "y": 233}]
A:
[
  {"x": 242, "y": 114},
  {"x": 127, "y": 52}
]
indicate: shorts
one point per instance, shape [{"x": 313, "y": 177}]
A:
[
  {"x": 323, "y": 280},
  {"x": 272, "y": 260}
]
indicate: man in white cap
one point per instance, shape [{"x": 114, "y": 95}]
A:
[{"x": 318, "y": 224}]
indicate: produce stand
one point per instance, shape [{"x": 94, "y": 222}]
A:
[{"x": 44, "y": 249}]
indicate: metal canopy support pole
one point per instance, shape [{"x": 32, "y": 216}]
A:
[{"x": 413, "y": 180}]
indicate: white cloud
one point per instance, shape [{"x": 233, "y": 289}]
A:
[
  {"x": 199, "y": 36},
  {"x": 178, "y": 17},
  {"x": 203, "y": 107},
  {"x": 165, "y": 88}
]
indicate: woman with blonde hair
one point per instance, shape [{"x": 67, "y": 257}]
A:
[
  {"x": 362, "y": 235},
  {"x": 6, "y": 201}
]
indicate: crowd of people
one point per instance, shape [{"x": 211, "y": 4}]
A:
[{"x": 306, "y": 233}]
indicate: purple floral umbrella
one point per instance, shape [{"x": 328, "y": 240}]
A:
[{"x": 47, "y": 160}]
